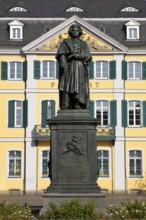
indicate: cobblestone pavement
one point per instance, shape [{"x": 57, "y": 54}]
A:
[{"x": 37, "y": 200}]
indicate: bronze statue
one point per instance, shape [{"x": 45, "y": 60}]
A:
[{"x": 73, "y": 56}]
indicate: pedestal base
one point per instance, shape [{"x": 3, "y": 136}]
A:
[{"x": 97, "y": 198}]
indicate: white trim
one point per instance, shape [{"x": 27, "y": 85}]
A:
[
  {"x": 135, "y": 149},
  {"x": 12, "y": 139}
]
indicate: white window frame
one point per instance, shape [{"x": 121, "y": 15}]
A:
[
  {"x": 102, "y": 112},
  {"x": 48, "y": 77},
  {"x": 142, "y": 163},
  {"x": 15, "y": 74},
  {"x": 12, "y": 29},
  {"x": 141, "y": 113},
  {"x": 41, "y": 164},
  {"x": 134, "y": 72},
  {"x": 16, "y": 114},
  {"x": 8, "y": 159},
  {"x": 109, "y": 162},
  {"x": 101, "y": 67}
]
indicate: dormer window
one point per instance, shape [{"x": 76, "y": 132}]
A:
[
  {"x": 18, "y": 9},
  {"x": 129, "y": 9},
  {"x": 16, "y": 30},
  {"x": 74, "y": 9},
  {"x": 132, "y": 30}
]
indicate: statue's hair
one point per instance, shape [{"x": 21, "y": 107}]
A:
[{"x": 75, "y": 25}]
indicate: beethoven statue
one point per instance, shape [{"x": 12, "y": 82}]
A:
[{"x": 73, "y": 56}]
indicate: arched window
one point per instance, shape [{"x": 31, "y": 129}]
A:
[
  {"x": 18, "y": 9},
  {"x": 129, "y": 9},
  {"x": 76, "y": 9}
]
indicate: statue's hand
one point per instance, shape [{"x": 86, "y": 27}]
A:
[
  {"x": 78, "y": 57},
  {"x": 64, "y": 67}
]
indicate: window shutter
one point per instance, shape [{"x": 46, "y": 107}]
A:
[
  {"x": 52, "y": 108},
  {"x": 57, "y": 70},
  {"x": 124, "y": 70},
  {"x": 4, "y": 70},
  {"x": 92, "y": 108},
  {"x": 112, "y": 65},
  {"x": 91, "y": 70},
  {"x": 24, "y": 70},
  {"x": 124, "y": 113},
  {"x": 113, "y": 113},
  {"x": 25, "y": 113},
  {"x": 144, "y": 70},
  {"x": 11, "y": 114},
  {"x": 44, "y": 112},
  {"x": 144, "y": 113},
  {"x": 36, "y": 69}
]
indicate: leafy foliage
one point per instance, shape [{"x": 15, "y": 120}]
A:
[
  {"x": 15, "y": 212},
  {"x": 129, "y": 210},
  {"x": 72, "y": 209}
]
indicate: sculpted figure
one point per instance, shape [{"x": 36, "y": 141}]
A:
[{"x": 73, "y": 56}]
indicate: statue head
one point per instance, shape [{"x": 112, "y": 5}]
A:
[{"x": 75, "y": 26}]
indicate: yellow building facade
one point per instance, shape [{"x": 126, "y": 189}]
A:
[{"x": 29, "y": 96}]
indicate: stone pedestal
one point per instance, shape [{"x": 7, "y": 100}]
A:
[
  {"x": 73, "y": 163},
  {"x": 97, "y": 198}
]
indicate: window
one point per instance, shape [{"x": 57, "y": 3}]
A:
[
  {"x": 101, "y": 69},
  {"x": 48, "y": 111},
  {"x": 16, "y": 33},
  {"x": 18, "y": 9},
  {"x": 135, "y": 163},
  {"x": 14, "y": 164},
  {"x": 48, "y": 69},
  {"x": 45, "y": 163},
  {"x": 129, "y": 9},
  {"x": 103, "y": 163},
  {"x": 76, "y": 9},
  {"x": 133, "y": 33},
  {"x": 102, "y": 28},
  {"x": 134, "y": 70},
  {"x": 134, "y": 111},
  {"x": 17, "y": 113},
  {"x": 16, "y": 70},
  {"x": 102, "y": 112},
  {"x": 132, "y": 30},
  {"x": 16, "y": 30}
]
